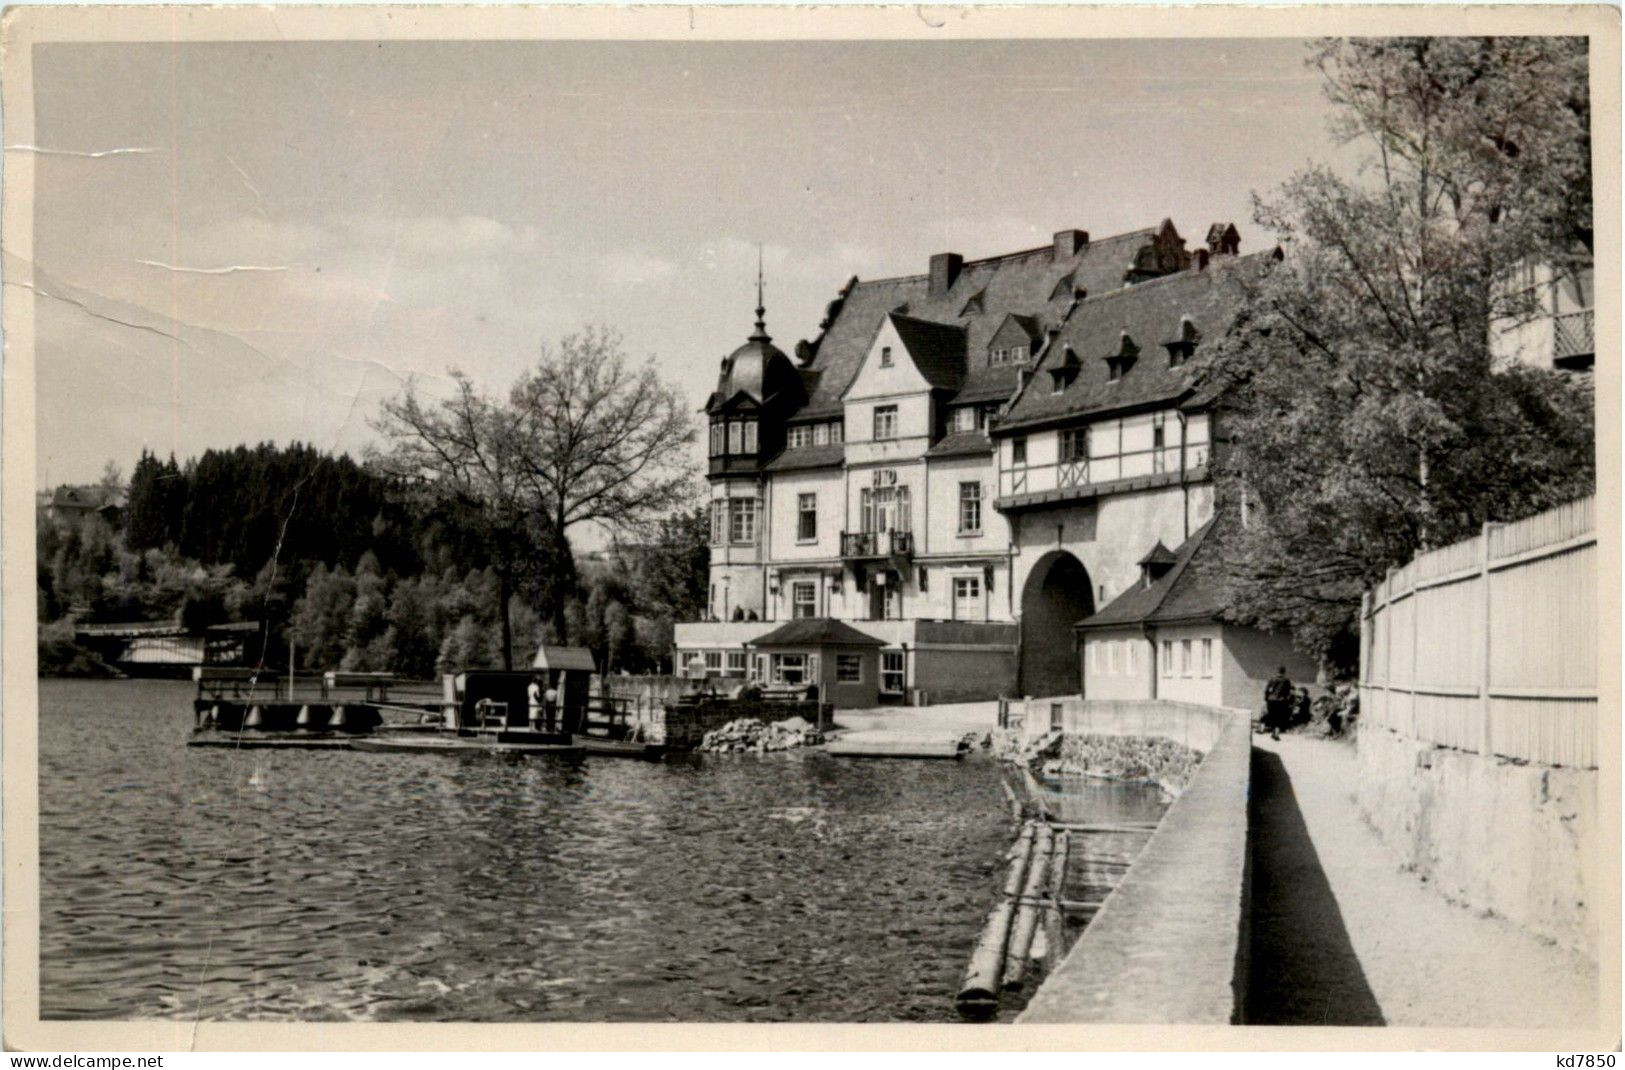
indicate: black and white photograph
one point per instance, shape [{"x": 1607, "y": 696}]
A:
[{"x": 966, "y": 519}]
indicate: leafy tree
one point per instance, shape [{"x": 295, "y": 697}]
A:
[
  {"x": 672, "y": 571},
  {"x": 321, "y": 618},
  {"x": 370, "y": 648},
  {"x": 1364, "y": 416}
]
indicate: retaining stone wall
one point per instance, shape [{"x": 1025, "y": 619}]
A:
[{"x": 1495, "y": 834}]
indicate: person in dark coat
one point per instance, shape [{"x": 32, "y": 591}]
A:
[
  {"x": 1277, "y": 703},
  {"x": 1302, "y": 709}
]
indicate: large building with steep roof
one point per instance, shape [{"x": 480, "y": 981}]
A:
[{"x": 965, "y": 463}]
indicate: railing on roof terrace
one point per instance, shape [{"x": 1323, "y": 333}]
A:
[
  {"x": 1574, "y": 334},
  {"x": 1083, "y": 471}
]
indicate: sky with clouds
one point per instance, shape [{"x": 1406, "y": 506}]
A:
[{"x": 292, "y": 231}]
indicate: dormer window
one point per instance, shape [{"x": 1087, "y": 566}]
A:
[
  {"x": 1063, "y": 287},
  {"x": 1016, "y": 354},
  {"x": 1118, "y": 363},
  {"x": 973, "y": 307},
  {"x": 1156, "y": 564},
  {"x": 885, "y": 356},
  {"x": 736, "y": 437},
  {"x": 1181, "y": 348},
  {"x": 1065, "y": 370}
]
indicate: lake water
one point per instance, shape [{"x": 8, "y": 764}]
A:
[{"x": 221, "y": 884}]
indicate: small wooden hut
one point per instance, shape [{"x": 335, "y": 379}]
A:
[{"x": 566, "y": 673}]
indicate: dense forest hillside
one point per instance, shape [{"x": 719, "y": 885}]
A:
[{"x": 351, "y": 567}]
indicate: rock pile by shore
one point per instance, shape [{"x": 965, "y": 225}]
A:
[
  {"x": 1160, "y": 761},
  {"x": 749, "y": 735}
]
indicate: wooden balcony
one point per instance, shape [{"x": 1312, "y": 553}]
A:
[{"x": 1574, "y": 338}]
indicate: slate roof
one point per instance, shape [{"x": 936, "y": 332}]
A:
[
  {"x": 962, "y": 444},
  {"x": 1192, "y": 590},
  {"x": 1159, "y": 555},
  {"x": 1151, "y": 312},
  {"x": 830, "y": 455},
  {"x": 1023, "y": 282},
  {"x": 816, "y": 631},
  {"x": 938, "y": 349}
]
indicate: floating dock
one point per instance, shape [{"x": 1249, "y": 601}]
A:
[{"x": 881, "y": 743}]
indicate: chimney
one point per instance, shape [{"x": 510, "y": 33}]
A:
[
  {"x": 1070, "y": 242},
  {"x": 944, "y": 270},
  {"x": 1199, "y": 260}
]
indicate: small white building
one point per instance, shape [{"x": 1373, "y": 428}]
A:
[{"x": 1165, "y": 637}]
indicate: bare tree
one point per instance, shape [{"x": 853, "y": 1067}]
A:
[
  {"x": 599, "y": 440},
  {"x": 581, "y": 437},
  {"x": 464, "y": 449}
]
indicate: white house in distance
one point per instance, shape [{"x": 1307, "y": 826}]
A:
[
  {"x": 966, "y": 463},
  {"x": 1562, "y": 331}
]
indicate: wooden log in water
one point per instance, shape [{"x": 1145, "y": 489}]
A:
[
  {"x": 1081, "y": 904},
  {"x": 1027, "y": 915},
  {"x": 979, "y": 992},
  {"x": 1054, "y": 919}
]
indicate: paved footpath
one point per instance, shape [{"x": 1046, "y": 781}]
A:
[{"x": 1342, "y": 935}]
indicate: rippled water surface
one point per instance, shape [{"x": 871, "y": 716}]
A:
[{"x": 261, "y": 884}]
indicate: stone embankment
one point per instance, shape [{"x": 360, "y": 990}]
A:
[
  {"x": 1153, "y": 759},
  {"x": 747, "y": 735}
]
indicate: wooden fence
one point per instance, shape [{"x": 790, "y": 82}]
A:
[{"x": 1490, "y": 645}]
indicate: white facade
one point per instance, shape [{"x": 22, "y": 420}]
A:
[
  {"x": 1557, "y": 326},
  {"x": 882, "y": 490},
  {"x": 1112, "y": 448}
]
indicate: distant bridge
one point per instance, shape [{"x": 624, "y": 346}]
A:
[{"x": 164, "y": 647}]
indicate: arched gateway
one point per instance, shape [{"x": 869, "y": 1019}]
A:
[{"x": 1058, "y": 594}]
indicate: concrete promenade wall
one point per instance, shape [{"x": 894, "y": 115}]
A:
[
  {"x": 1187, "y": 723},
  {"x": 1166, "y": 946},
  {"x": 1506, "y": 836}
]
